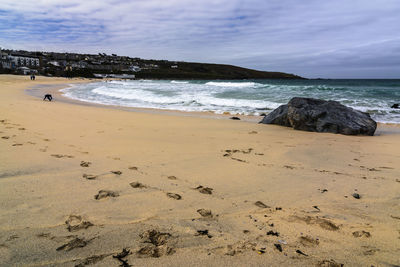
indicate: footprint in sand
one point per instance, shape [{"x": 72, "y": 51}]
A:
[
  {"x": 361, "y": 234},
  {"x": 93, "y": 260},
  {"x": 74, "y": 243},
  {"x": 157, "y": 244},
  {"x": 174, "y": 196},
  {"x": 308, "y": 241},
  {"x": 89, "y": 176},
  {"x": 12, "y": 237},
  {"x": 205, "y": 213},
  {"x": 85, "y": 163},
  {"x": 323, "y": 223},
  {"x": 329, "y": 263},
  {"x": 261, "y": 205},
  {"x": 105, "y": 194},
  {"x": 59, "y": 156},
  {"x": 75, "y": 223},
  {"x": 289, "y": 167},
  {"x": 204, "y": 190},
  {"x": 137, "y": 185}
]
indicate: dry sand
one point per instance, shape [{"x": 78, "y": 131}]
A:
[{"x": 188, "y": 191}]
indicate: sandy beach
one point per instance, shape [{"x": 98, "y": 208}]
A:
[{"x": 92, "y": 185}]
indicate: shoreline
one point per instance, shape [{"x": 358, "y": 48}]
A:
[
  {"x": 81, "y": 183},
  {"x": 40, "y": 89}
]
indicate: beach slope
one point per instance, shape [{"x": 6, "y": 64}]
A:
[{"x": 82, "y": 185}]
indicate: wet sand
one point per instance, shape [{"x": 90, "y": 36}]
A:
[{"x": 92, "y": 185}]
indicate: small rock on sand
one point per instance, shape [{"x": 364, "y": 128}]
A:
[
  {"x": 273, "y": 233},
  {"x": 235, "y": 118},
  {"x": 116, "y": 172},
  {"x": 278, "y": 247},
  {"x": 105, "y": 194},
  {"x": 203, "y": 232},
  {"x": 356, "y": 195}
]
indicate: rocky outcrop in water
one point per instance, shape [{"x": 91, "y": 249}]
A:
[{"x": 316, "y": 115}]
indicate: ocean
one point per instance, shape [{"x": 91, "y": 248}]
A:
[{"x": 246, "y": 97}]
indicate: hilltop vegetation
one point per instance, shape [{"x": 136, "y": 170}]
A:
[{"x": 100, "y": 65}]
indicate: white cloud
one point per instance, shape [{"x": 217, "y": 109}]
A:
[{"x": 270, "y": 35}]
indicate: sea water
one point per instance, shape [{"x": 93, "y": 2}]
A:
[{"x": 247, "y": 97}]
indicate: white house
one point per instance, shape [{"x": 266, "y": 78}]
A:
[
  {"x": 22, "y": 60},
  {"x": 135, "y": 68}
]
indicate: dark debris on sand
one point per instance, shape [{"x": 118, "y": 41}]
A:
[
  {"x": 120, "y": 257},
  {"x": 203, "y": 232}
]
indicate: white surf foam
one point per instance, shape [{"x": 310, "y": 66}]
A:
[{"x": 233, "y": 84}]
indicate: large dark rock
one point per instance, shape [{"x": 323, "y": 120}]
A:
[{"x": 317, "y": 115}]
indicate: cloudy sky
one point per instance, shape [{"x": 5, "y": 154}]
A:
[{"x": 312, "y": 38}]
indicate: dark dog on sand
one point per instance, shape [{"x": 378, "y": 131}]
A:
[{"x": 48, "y": 97}]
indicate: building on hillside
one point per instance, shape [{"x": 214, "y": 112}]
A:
[
  {"x": 134, "y": 68},
  {"x": 5, "y": 62},
  {"x": 23, "y": 61}
]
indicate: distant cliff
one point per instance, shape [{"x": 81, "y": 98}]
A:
[
  {"x": 100, "y": 65},
  {"x": 187, "y": 70}
]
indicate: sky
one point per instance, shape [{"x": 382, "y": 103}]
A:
[{"x": 310, "y": 38}]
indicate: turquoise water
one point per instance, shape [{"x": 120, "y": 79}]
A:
[{"x": 249, "y": 97}]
